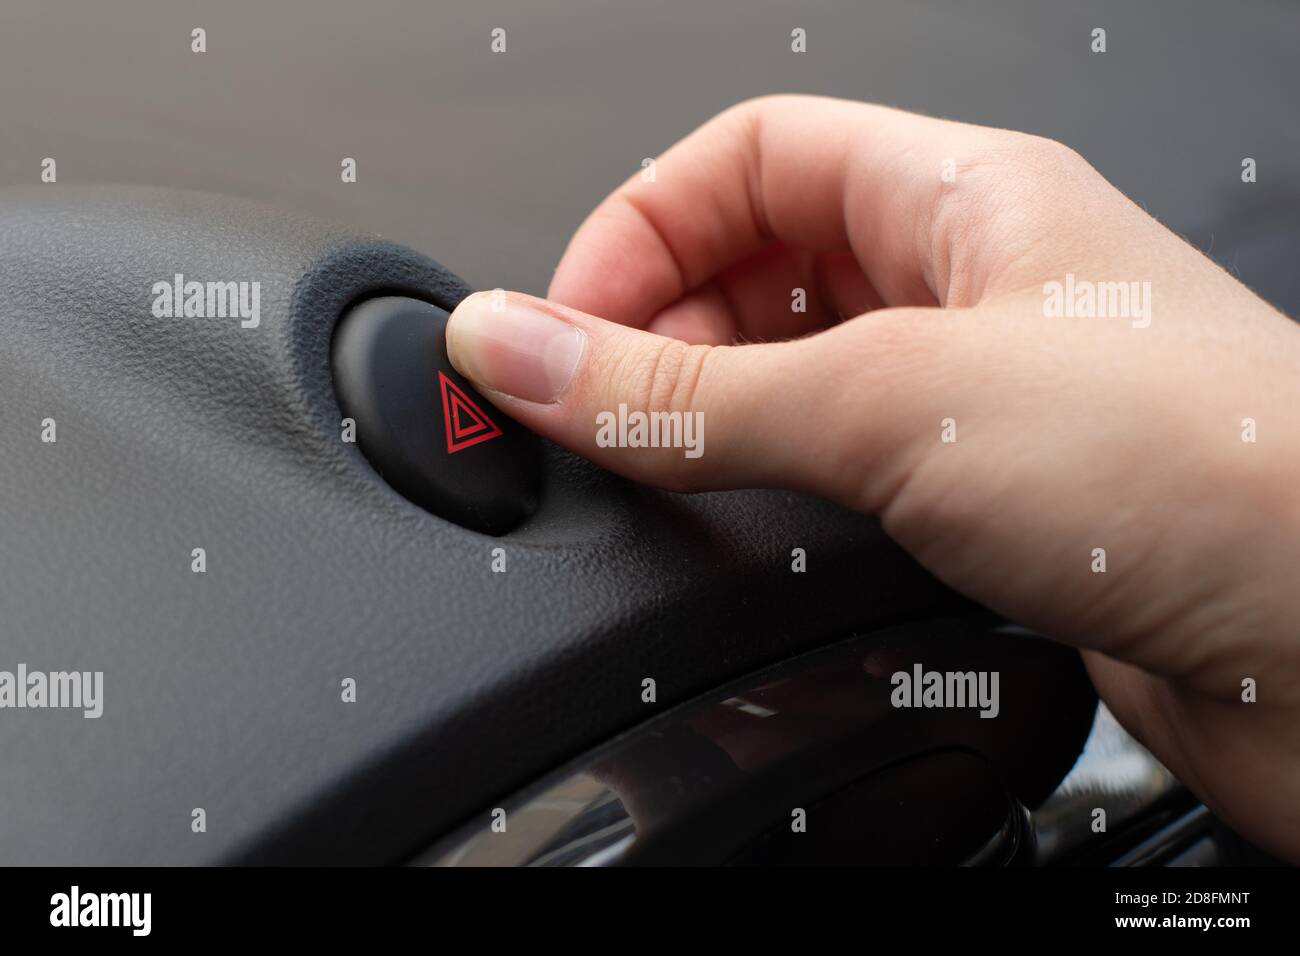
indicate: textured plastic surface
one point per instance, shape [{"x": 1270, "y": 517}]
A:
[{"x": 222, "y": 689}]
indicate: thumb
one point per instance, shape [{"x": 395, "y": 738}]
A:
[{"x": 655, "y": 409}]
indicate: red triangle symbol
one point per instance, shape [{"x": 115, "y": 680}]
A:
[{"x": 465, "y": 424}]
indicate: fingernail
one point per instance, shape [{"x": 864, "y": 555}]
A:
[{"x": 500, "y": 343}]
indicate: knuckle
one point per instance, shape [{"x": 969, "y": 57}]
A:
[
  {"x": 1043, "y": 151},
  {"x": 670, "y": 376},
  {"x": 766, "y": 102},
  {"x": 749, "y": 115},
  {"x": 1027, "y": 152},
  {"x": 908, "y": 352},
  {"x": 1023, "y": 165},
  {"x": 1015, "y": 192},
  {"x": 664, "y": 378}
]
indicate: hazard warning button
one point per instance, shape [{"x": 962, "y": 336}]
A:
[
  {"x": 456, "y": 408},
  {"x": 421, "y": 424}
]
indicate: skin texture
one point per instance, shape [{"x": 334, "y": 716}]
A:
[{"x": 925, "y": 302}]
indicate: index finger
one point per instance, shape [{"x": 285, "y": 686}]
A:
[{"x": 814, "y": 173}]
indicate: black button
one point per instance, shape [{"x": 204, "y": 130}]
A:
[{"x": 422, "y": 426}]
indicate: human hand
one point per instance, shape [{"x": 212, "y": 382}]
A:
[{"x": 1167, "y": 434}]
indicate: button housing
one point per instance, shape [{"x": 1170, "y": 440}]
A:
[{"x": 423, "y": 426}]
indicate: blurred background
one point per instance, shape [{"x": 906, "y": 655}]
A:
[{"x": 487, "y": 162}]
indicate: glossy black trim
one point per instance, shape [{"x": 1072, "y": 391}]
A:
[{"x": 714, "y": 780}]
